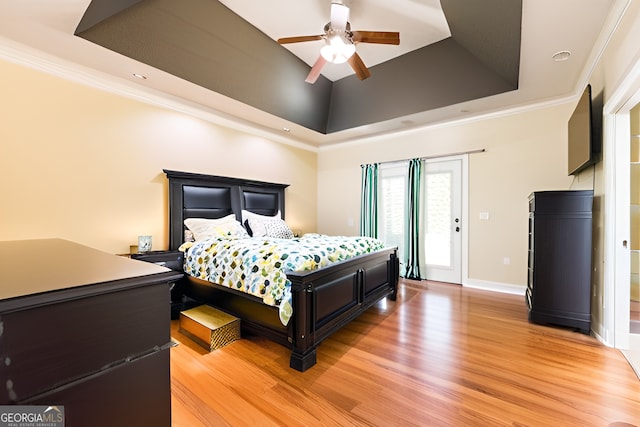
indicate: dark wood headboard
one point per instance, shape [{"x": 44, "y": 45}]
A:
[{"x": 193, "y": 195}]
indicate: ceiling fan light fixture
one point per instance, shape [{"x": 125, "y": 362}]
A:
[
  {"x": 340, "y": 43},
  {"x": 337, "y": 50}
]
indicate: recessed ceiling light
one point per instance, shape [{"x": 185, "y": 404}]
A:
[
  {"x": 286, "y": 130},
  {"x": 139, "y": 76},
  {"x": 563, "y": 55}
]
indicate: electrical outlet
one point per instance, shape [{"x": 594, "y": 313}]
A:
[
  {"x": 506, "y": 260},
  {"x": 484, "y": 216}
]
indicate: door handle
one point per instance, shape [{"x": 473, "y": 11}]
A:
[{"x": 457, "y": 229}]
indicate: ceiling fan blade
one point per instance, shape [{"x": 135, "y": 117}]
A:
[
  {"x": 380, "y": 37},
  {"x": 358, "y": 66},
  {"x": 339, "y": 16},
  {"x": 315, "y": 70},
  {"x": 298, "y": 39}
]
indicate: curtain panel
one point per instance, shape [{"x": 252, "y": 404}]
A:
[
  {"x": 369, "y": 201},
  {"x": 412, "y": 222}
]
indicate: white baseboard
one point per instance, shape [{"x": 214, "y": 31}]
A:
[
  {"x": 505, "y": 288},
  {"x": 597, "y": 335}
]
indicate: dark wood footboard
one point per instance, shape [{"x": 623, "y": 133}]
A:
[
  {"x": 327, "y": 299},
  {"x": 323, "y": 301}
]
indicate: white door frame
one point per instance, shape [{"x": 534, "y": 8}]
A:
[{"x": 617, "y": 273}]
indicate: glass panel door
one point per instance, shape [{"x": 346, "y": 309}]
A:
[{"x": 442, "y": 220}]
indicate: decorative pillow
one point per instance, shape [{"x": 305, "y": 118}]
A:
[
  {"x": 270, "y": 228},
  {"x": 247, "y": 214},
  {"x": 278, "y": 228},
  {"x": 226, "y": 227}
]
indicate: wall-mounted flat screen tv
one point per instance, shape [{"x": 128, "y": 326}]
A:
[{"x": 583, "y": 134}]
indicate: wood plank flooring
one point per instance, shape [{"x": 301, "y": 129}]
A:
[{"x": 441, "y": 355}]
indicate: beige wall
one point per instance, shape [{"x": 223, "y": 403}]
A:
[
  {"x": 525, "y": 152},
  {"x": 86, "y": 165}
]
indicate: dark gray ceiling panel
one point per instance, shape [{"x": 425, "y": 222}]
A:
[
  {"x": 434, "y": 76},
  {"x": 100, "y": 10},
  {"x": 205, "y": 43},
  {"x": 491, "y": 30}
]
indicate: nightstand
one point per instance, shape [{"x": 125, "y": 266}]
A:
[{"x": 173, "y": 260}]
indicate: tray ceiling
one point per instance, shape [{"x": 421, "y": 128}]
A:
[
  {"x": 219, "y": 60},
  {"x": 208, "y": 44}
]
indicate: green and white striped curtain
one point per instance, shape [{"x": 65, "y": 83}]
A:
[
  {"x": 412, "y": 223},
  {"x": 369, "y": 201}
]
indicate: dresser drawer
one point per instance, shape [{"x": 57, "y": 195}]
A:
[
  {"x": 136, "y": 393},
  {"x": 51, "y": 345}
]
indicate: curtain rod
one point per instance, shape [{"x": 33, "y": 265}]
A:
[{"x": 459, "y": 153}]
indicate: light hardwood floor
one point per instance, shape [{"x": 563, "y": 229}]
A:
[{"x": 441, "y": 355}]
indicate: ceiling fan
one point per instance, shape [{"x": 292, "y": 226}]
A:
[{"x": 341, "y": 43}]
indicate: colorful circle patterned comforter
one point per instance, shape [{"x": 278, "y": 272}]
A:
[{"x": 258, "y": 266}]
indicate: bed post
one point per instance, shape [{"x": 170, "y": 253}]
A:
[
  {"x": 303, "y": 352},
  {"x": 394, "y": 274}
]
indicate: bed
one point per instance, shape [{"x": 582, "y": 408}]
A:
[{"x": 322, "y": 300}]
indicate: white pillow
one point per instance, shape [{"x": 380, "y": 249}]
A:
[
  {"x": 226, "y": 227},
  {"x": 274, "y": 227}
]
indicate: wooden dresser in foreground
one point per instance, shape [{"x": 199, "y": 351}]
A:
[{"x": 85, "y": 330}]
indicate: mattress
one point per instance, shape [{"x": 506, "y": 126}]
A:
[{"x": 258, "y": 265}]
